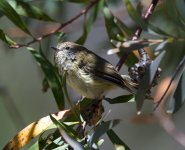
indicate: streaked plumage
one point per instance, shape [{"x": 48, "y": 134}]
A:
[{"x": 88, "y": 73}]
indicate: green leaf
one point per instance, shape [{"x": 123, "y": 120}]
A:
[
  {"x": 119, "y": 99},
  {"x": 113, "y": 25},
  {"x": 172, "y": 9},
  {"x": 180, "y": 4},
  {"x": 100, "y": 130},
  {"x": 118, "y": 31},
  {"x": 147, "y": 80},
  {"x": 179, "y": 94},
  {"x": 89, "y": 21},
  {"x": 117, "y": 142},
  {"x": 6, "y": 39},
  {"x": 35, "y": 146},
  {"x": 157, "y": 30},
  {"x": 7, "y": 10},
  {"x": 28, "y": 10},
  {"x": 135, "y": 15},
  {"x": 52, "y": 77},
  {"x": 68, "y": 134}
]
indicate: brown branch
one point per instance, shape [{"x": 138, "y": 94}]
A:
[
  {"x": 83, "y": 12},
  {"x": 137, "y": 33}
]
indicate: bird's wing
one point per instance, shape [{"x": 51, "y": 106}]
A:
[{"x": 103, "y": 70}]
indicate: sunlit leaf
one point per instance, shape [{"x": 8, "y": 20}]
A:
[
  {"x": 113, "y": 30},
  {"x": 32, "y": 130},
  {"x": 7, "y": 10},
  {"x": 31, "y": 11},
  {"x": 119, "y": 99},
  {"x": 88, "y": 22},
  {"x": 68, "y": 134},
  {"x": 35, "y": 146},
  {"x": 146, "y": 81},
  {"x": 135, "y": 15},
  {"x": 52, "y": 77},
  {"x": 180, "y": 4},
  {"x": 118, "y": 31},
  {"x": 117, "y": 142},
  {"x": 6, "y": 39},
  {"x": 100, "y": 130}
]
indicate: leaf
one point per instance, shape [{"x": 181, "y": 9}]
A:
[
  {"x": 119, "y": 99},
  {"x": 74, "y": 109},
  {"x": 88, "y": 22},
  {"x": 179, "y": 94},
  {"x": 180, "y": 4},
  {"x": 118, "y": 31},
  {"x": 6, "y": 39},
  {"x": 52, "y": 77},
  {"x": 100, "y": 130},
  {"x": 117, "y": 142},
  {"x": 146, "y": 81},
  {"x": 172, "y": 9},
  {"x": 7, "y": 10},
  {"x": 31, "y": 11},
  {"x": 67, "y": 136},
  {"x": 32, "y": 130},
  {"x": 111, "y": 21},
  {"x": 135, "y": 15},
  {"x": 35, "y": 146}
]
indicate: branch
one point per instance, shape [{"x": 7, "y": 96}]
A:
[
  {"x": 179, "y": 68},
  {"x": 82, "y": 12},
  {"x": 137, "y": 33}
]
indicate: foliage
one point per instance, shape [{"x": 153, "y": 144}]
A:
[{"x": 162, "y": 43}]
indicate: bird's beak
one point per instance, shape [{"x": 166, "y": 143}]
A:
[{"x": 54, "y": 48}]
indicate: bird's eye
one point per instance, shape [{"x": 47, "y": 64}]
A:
[{"x": 67, "y": 48}]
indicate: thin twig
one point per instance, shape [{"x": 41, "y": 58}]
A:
[
  {"x": 82, "y": 12},
  {"x": 137, "y": 33},
  {"x": 176, "y": 72}
]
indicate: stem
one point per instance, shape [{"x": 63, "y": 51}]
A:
[
  {"x": 137, "y": 34},
  {"x": 176, "y": 72},
  {"x": 82, "y": 12}
]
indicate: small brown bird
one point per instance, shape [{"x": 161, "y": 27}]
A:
[{"x": 87, "y": 73}]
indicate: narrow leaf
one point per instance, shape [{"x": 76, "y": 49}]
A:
[
  {"x": 65, "y": 131},
  {"x": 113, "y": 29},
  {"x": 100, "y": 130},
  {"x": 6, "y": 39},
  {"x": 179, "y": 94},
  {"x": 146, "y": 81},
  {"x": 180, "y": 4},
  {"x": 135, "y": 15},
  {"x": 52, "y": 77},
  {"x": 89, "y": 21},
  {"x": 119, "y": 99},
  {"x": 117, "y": 142},
  {"x": 7, "y": 10},
  {"x": 31, "y": 11}
]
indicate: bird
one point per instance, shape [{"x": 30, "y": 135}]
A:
[{"x": 87, "y": 73}]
